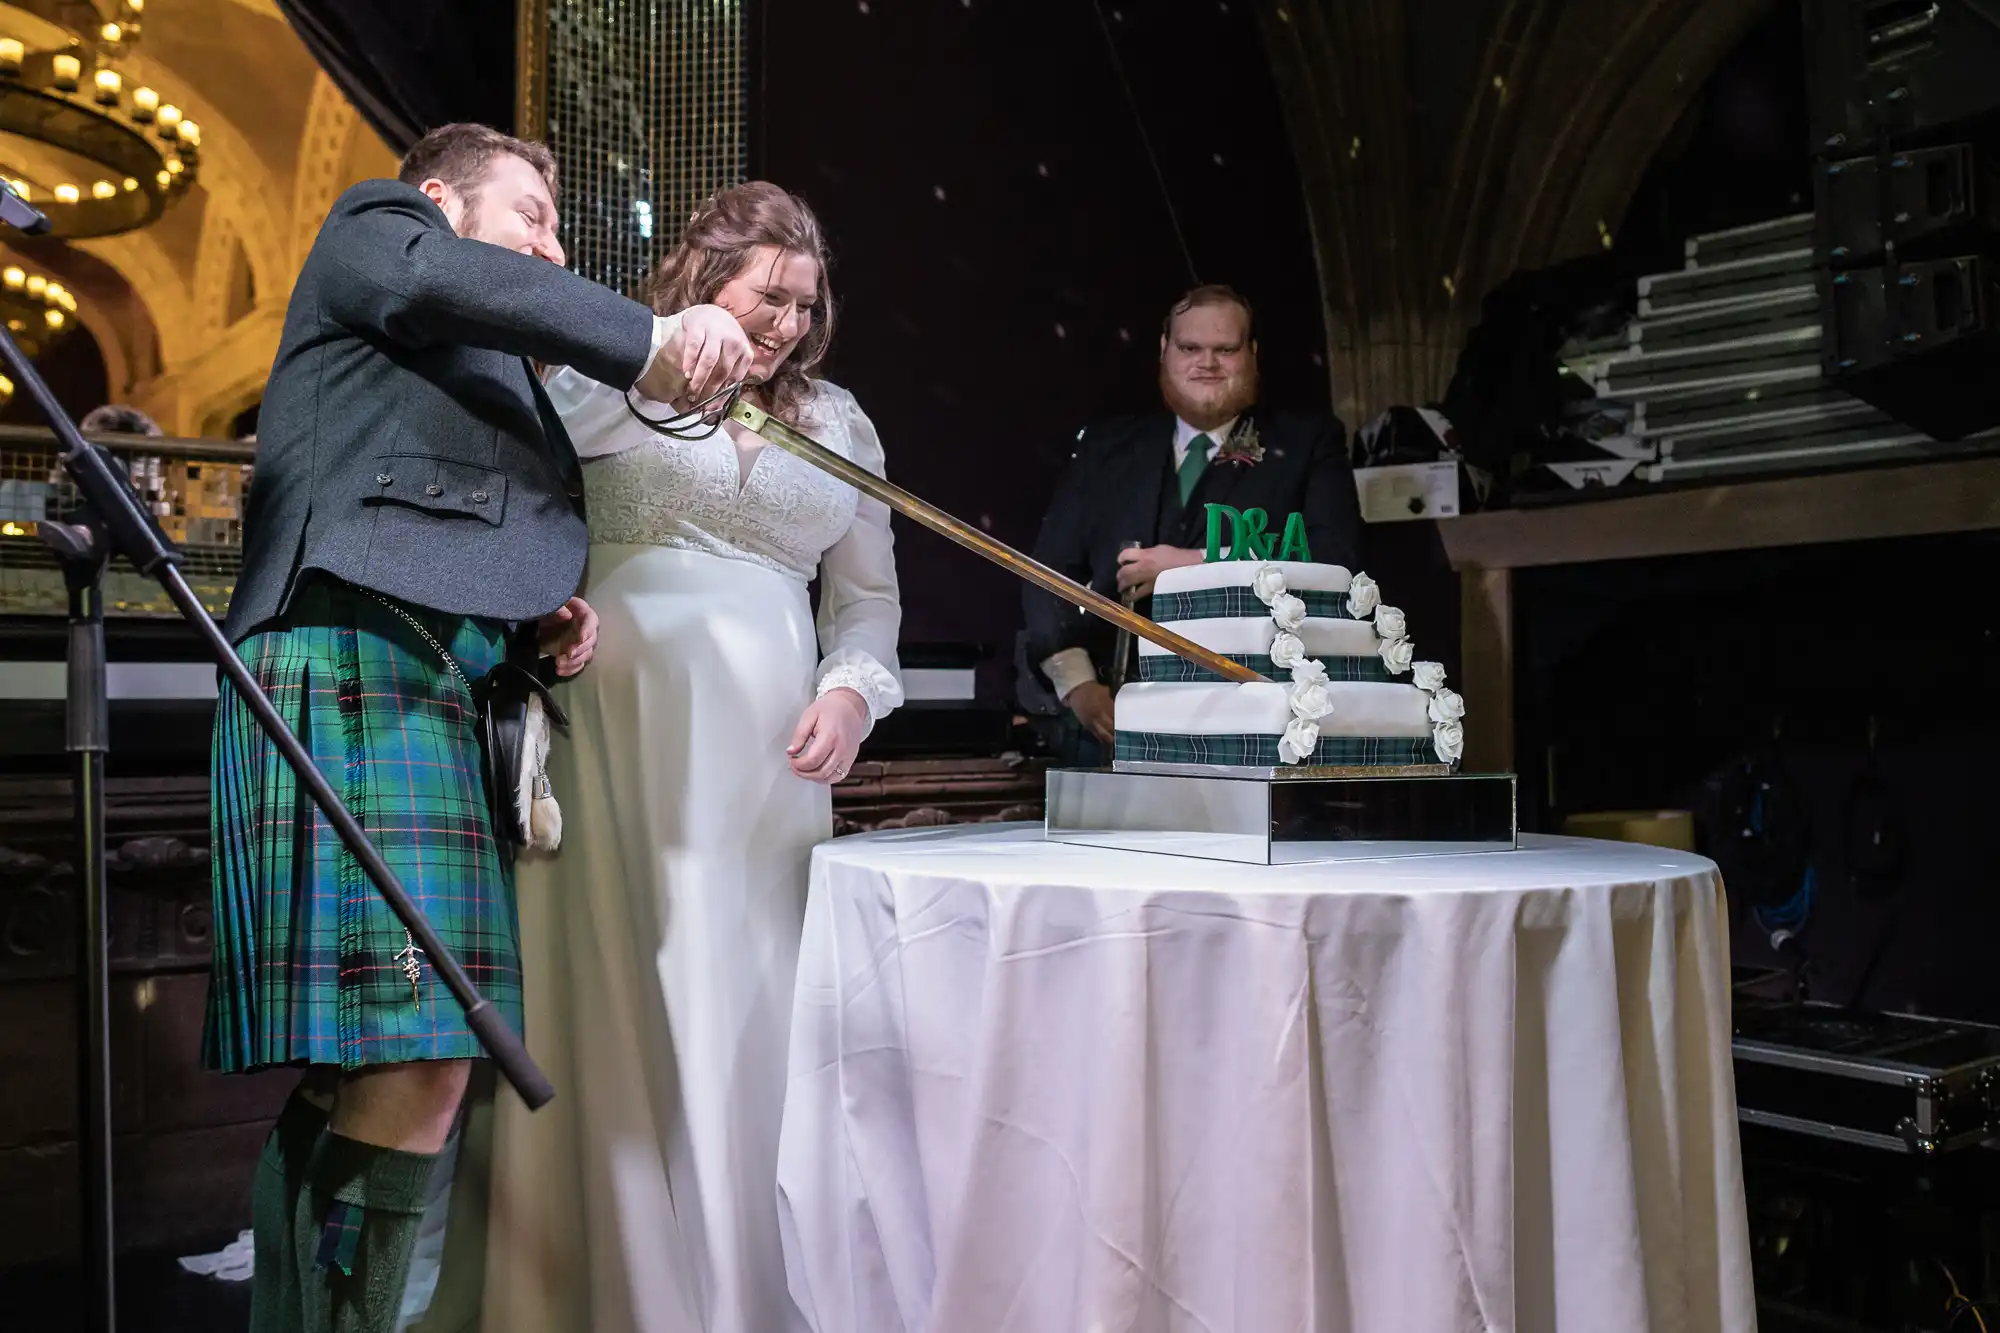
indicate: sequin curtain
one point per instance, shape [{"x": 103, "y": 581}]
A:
[{"x": 643, "y": 103}]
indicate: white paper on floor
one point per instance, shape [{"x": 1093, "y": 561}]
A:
[
  {"x": 231, "y": 1263},
  {"x": 234, "y": 1262}
]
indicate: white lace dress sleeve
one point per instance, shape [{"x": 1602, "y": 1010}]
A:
[
  {"x": 595, "y": 414},
  {"x": 860, "y": 609}
]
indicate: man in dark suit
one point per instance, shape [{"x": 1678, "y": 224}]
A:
[
  {"x": 416, "y": 502},
  {"x": 1133, "y": 501}
]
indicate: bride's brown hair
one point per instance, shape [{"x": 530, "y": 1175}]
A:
[{"x": 715, "y": 247}]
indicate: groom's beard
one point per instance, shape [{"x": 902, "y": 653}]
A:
[{"x": 1207, "y": 406}]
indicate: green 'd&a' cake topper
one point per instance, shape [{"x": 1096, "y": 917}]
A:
[{"x": 1251, "y": 539}]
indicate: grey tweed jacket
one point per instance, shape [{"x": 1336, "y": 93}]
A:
[{"x": 404, "y": 443}]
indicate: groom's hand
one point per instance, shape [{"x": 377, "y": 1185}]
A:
[
  {"x": 569, "y": 634},
  {"x": 708, "y": 350}
]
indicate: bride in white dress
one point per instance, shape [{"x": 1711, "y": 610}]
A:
[{"x": 659, "y": 945}]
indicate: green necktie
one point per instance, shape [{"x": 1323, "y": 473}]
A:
[{"x": 1193, "y": 465}]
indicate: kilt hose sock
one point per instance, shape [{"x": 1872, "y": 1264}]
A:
[{"x": 335, "y": 1222}]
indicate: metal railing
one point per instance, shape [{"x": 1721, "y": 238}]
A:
[{"x": 195, "y": 488}]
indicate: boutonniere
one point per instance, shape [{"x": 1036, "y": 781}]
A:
[{"x": 1243, "y": 447}]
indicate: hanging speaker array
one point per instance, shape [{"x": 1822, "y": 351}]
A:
[{"x": 1903, "y": 105}]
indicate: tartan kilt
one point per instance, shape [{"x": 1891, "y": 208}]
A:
[{"x": 306, "y": 963}]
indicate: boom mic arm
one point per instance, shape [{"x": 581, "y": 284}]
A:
[{"x": 18, "y": 212}]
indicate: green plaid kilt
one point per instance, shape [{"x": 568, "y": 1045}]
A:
[
  {"x": 306, "y": 966},
  {"x": 1259, "y": 751}
]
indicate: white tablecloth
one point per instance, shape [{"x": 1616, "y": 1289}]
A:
[{"x": 1039, "y": 1088}]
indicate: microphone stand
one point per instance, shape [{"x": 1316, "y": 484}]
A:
[{"x": 114, "y": 522}]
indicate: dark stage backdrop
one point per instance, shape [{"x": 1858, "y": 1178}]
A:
[
  {"x": 1004, "y": 249},
  {"x": 410, "y": 66}
]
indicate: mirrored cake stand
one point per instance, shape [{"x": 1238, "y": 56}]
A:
[{"x": 1282, "y": 816}]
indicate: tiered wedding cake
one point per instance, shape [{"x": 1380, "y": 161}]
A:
[{"x": 1342, "y": 688}]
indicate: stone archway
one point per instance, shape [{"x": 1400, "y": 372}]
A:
[
  {"x": 207, "y": 297},
  {"x": 324, "y": 148},
  {"x": 216, "y": 416}
]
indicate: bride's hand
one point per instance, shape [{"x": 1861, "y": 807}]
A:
[
  {"x": 569, "y": 634},
  {"x": 828, "y": 734}
]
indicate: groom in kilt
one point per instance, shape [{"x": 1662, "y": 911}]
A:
[{"x": 416, "y": 502}]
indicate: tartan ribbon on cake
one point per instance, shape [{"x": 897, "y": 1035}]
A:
[
  {"x": 1261, "y": 751},
  {"x": 1167, "y": 668},
  {"x": 1240, "y": 602}
]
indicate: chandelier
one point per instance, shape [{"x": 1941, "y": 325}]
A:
[
  {"x": 35, "y": 310},
  {"x": 98, "y": 158}
]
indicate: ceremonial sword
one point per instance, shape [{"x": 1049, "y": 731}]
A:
[{"x": 800, "y": 445}]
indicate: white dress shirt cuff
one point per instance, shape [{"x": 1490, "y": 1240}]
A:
[
  {"x": 664, "y": 327},
  {"x": 1068, "y": 669}
]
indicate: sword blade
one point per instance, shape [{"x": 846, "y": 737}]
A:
[{"x": 800, "y": 445}]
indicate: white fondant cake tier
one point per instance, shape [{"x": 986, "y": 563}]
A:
[
  {"x": 1322, "y": 636},
  {"x": 1202, "y": 708},
  {"x": 1299, "y": 576},
  {"x": 1343, "y": 689}
]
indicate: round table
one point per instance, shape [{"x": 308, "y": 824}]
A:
[{"x": 1038, "y": 1087}]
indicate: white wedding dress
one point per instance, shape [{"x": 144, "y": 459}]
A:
[{"x": 659, "y": 944}]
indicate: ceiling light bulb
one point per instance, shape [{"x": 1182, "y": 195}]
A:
[{"x": 67, "y": 194}]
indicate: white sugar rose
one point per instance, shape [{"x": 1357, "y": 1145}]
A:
[
  {"x": 1287, "y": 651},
  {"x": 1299, "y": 740},
  {"x": 1269, "y": 582},
  {"x": 1448, "y": 738},
  {"x": 1362, "y": 596},
  {"x": 1389, "y": 623},
  {"x": 1397, "y": 654},
  {"x": 1447, "y": 706},
  {"x": 1311, "y": 702},
  {"x": 1312, "y": 671},
  {"x": 1427, "y": 676},
  {"x": 1288, "y": 611}
]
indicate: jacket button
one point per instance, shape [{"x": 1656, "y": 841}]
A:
[
  {"x": 433, "y": 489},
  {"x": 479, "y": 497},
  {"x": 383, "y": 479}
]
